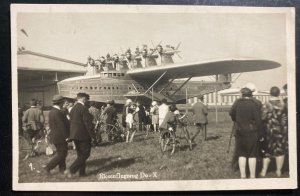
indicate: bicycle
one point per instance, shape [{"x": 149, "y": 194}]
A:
[
  {"x": 114, "y": 132},
  {"x": 169, "y": 140},
  {"x": 30, "y": 141},
  {"x": 182, "y": 126}
]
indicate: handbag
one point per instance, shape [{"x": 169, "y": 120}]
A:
[{"x": 262, "y": 147}]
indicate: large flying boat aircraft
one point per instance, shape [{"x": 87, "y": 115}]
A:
[{"x": 151, "y": 75}]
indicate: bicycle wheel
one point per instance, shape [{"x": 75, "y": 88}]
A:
[
  {"x": 25, "y": 147},
  {"x": 167, "y": 143},
  {"x": 187, "y": 137},
  {"x": 114, "y": 133}
]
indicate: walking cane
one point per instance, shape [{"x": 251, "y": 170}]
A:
[
  {"x": 232, "y": 131},
  {"x": 205, "y": 133}
]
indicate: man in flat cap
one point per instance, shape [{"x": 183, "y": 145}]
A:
[
  {"x": 33, "y": 121},
  {"x": 81, "y": 132},
  {"x": 59, "y": 126},
  {"x": 200, "y": 112}
]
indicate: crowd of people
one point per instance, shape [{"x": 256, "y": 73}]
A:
[
  {"x": 141, "y": 57},
  {"x": 75, "y": 121},
  {"x": 261, "y": 130}
]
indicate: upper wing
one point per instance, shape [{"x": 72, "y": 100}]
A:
[{"x": 201, "y": 68}]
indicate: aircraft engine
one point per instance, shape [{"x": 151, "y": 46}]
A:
[{"x": 223, "y": 78}]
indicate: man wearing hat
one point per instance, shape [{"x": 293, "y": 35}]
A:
[
  {"x": 33, "y": 121},
  {"x": 59, "y": 126},
  {"x": 200, "y": 117},
  {"x": 81, "y": 132},
  {"x": 111, "y": 114}
]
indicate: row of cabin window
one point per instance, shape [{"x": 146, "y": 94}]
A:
[
  {"x": 105, "y": 88},
  {"x": 114, "y": 74}
]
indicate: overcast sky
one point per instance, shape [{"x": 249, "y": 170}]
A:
[{"x": 203, "y": 37}]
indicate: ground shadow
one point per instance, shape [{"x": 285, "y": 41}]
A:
[
  {"x": 104, "y": 144},
  {"x": 102, "y": 161},
  {"x": 186, "y": 147},
  {"x": 213, "y": 138},
  {"x": 107, "y": 164}
]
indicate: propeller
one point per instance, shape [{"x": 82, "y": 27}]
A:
[
  {"x": 24, "y": 32},
  {"x": 155, "y": 47},
  {"x": 178, "y": 45}
]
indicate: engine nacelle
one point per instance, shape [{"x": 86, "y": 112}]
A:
[{"x": 223, "y": 78}]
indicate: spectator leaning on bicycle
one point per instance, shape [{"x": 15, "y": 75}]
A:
[
  {"x": 59, "y": 126},
  {"x": 170, "y": 119},
  {"x": 111, "y": 114},
  {"x": 33, "y": 121}
]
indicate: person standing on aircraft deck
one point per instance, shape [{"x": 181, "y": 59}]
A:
[
  {"x": 200, "y": 117},
  {"x": 163, "y": 109},
  {"x": 33, "y": 121},
  {"x": 102, "y": 63},
  {"x": 144, "y": 58},
  {"x": 150, "y": 58},
  {"x": 111, "y": 115},
  {"x": 60, "y": 127},
  {"x": 128, "y": 60},
  {"x": 245, "y": 114},
  {"x": 81, "y": 132},
  {"x": 165, "y": 58},
  {"x": 90, "y": 67}
]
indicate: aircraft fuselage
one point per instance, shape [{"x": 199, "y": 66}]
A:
[{"x": 117, "y": 85}]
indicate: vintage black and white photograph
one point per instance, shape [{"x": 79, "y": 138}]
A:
[{"x": 115, "y": 97}]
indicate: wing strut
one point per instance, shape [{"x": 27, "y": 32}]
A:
[
  {"x": 180, "y": 86},
  {"x": 135, "y": 87},
  {"x": 155, "y": 82},
  {"x": 170, "y": 82}
]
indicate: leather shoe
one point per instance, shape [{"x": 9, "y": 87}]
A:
[{"x": 68, "y": 173}]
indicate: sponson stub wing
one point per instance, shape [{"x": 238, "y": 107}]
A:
[
  {"x": 147, "y": 97},
  {"x": 201, "y": 68}
]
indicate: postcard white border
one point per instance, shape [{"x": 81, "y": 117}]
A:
[{"x": 222, "y": 184}]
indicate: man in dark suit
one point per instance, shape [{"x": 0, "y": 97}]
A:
[
  {"x": 59, "y": 126},
  {"x": 81, "y": 132}
]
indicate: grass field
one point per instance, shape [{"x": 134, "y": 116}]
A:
[{"x": 143, "y": 159}]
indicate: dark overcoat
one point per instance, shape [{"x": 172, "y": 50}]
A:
[
  {"x": 59, "y": 126},
  {"x": 111, "y": 114},
  {"x": 81, "y": 126}
]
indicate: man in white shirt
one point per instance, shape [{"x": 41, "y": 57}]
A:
[{"x": 163, "y": 109}]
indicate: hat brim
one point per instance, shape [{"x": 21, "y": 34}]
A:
[{"x": 58, "y": 101}]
